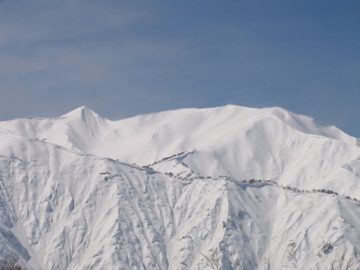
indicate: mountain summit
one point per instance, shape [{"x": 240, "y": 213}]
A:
[
  {"x": 230, "y": 187},
  {"x": 85, "y": 115}
]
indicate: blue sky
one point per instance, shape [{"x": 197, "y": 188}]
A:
[{"x": 123, "y": 58}]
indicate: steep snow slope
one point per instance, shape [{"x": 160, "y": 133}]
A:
[
  {"x": 65, "y": 210},
  {"x": 68, "y": 200}
]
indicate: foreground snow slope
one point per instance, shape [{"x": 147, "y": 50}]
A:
[
  {"x": 69, "y": 198},
  {"x": 61, "y": 209}
]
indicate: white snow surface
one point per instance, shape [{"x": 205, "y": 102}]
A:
[{"x": 176, "y": 190}]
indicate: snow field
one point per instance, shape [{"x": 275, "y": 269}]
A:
[{"x": 74, "y": 194}]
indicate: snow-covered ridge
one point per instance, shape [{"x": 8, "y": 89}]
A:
[
  {"x": 165, "y": 190},
  {"x": 231, "y": 116},
  {"x": 239, "y": 142}
]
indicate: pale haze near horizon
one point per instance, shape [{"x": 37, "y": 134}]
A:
[{"x": 123, "y": 58}]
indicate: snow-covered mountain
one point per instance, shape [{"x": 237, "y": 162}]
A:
[{"x": 229, "y": 187}]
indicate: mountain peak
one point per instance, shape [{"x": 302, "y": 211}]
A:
[
  {"x": 87, "y": 117},
  {"x": 81, "y": 112}
]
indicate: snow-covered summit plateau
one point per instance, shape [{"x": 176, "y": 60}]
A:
[{"x": 220, "y": 188}]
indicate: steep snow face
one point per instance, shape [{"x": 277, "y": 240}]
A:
[
  {"x": 61, "y": 209},
  {"x": 64, "y": 210},
  {"x": 69, "y": 198}
]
